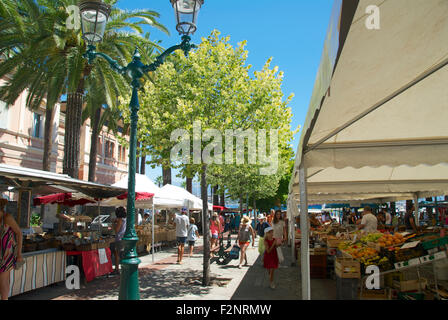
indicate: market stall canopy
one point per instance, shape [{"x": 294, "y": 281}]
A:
[
  {"x": 167, "y": 199},
  {"x": 143, "y": 186},
  {"x": 190, "y": 201},
  {"x": 386, "y": 102},
  {"x": 219, "y": 208},
  {"x": 39, "y": 181},
  {"x": 66, "y": 199},
  {"x": 379, "y": 185}
]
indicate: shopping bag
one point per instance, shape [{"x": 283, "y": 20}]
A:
[
  {"x": 261, "y": 246},
  {"x": 280, "y": 255},
  {"x": 235, "y": 252}
]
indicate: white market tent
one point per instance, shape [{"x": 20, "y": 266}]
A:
[
  {"x": 142, "y": 184},
  {"x": 376, "y": 128},
  {"x": 190, "y": 201}
]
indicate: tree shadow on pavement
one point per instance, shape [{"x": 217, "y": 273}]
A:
[{"x": 168, "y": 284}]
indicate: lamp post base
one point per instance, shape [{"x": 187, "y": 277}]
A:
[{"x": 129, "y": 285}]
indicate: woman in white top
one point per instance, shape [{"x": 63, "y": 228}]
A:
[{"x": 279, "y": 226}]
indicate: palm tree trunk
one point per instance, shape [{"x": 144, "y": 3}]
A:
[
  {"x": 94, "y": 144},
  {"x": 143, "y": 165},
  {"x": 72, "y": 135},
  {"x": 48, "y": 145},
  {"x": 137, "y": 167},
  {"x": 48, "y": 133},
  {"x": 205, "y": 229},
  {"x": 166, "y": 172},
  {"x": 189, "y": 184}
]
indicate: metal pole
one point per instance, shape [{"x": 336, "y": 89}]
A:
[
  {"x": 417, "y": 216},
  {"x": 305, "y": 254},
  {"x": 129, "y": 286},
  {"x": 152, "y": 231}
]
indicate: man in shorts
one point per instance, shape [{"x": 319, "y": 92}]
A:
[{"x": 182, "y": 224}]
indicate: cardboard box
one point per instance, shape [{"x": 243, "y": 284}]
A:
[{"x": 381, "y": 294}]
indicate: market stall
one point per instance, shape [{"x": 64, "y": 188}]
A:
[
  {"x": 363, "y": 119},
  {"x": 45, "y": 257}
]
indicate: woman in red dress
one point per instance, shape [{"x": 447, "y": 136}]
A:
[{"x": 270, "y": 254}]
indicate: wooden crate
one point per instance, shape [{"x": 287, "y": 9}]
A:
[
  {"x": 381, "y": 294},
  {"x": 333, "y": 243},
  {"x": 346, "y": 268},
  {"x": 318, "y": 251},
  {"x": 411, "y": 285}
]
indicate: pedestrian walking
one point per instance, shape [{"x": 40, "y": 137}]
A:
[
  {"x": 119, "y": 227},
  {"x": 193, "y": 235},
  {"x": 10, "y": 248},
  {"x": 243, "y": 239},
  {"x": 262, "y": 224},
  {"x": 279, "y": 228},
  {"x": 270, "y": 255},
  {"x": 182, "y": 224},
  {"x": 215, "y": 229}
]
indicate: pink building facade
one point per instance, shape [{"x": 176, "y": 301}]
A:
[{"x": 22, "y": 142}]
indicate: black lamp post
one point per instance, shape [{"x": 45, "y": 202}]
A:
[{"x": 94, "y": 15}]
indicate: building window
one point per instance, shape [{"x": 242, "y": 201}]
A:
[
  {"x": 3, "y": 115},
  {"x": 109, "y": 149},
  {"x": 37, "y": 123},
  {"x": 123, "y": 159}
]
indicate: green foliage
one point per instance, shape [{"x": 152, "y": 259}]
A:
[{"x": 35, "y": 220}]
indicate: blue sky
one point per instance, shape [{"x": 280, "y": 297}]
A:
[{"x": 290, "y": 31}]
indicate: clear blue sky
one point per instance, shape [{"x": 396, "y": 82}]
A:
[{"x": 290, "y": 31}]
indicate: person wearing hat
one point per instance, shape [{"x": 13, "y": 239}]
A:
[
  {"x": 262, "y": 224},
  {"x": 270, "y": 257},
  {"x": 243, "y": 238}
]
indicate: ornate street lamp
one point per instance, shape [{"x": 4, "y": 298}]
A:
[
  {"x": 94, "y": 15},
  {"x": 186, "y": 12}
]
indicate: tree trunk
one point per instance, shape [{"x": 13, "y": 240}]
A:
[
  {"x": 94, "y": 144},
  {"x": 215, "y": 196},
  {"x": 189, "y": 184},
  {"x": 48, "y": 135},
  {"x": 166, "y": 172},
  {"x": 222, "y": 199},
  {"x": 143, "y": 165},
  {"x": 241, "y": 206},
  {"x": 429, "y": 210},
  {"x": 48, "y": 145},
  {"x": 72, "y": 135},
  {"x": 205, "y": 229}
]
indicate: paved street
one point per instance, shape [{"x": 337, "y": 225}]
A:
[{"x": 166, "y": 280}]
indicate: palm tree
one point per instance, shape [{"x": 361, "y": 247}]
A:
[
  {"x": 159, "y": 181},
  {"x": 57, "y": 53}
]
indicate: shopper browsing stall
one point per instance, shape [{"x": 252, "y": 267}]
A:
[
  {"x": 262, "y": 224},
  {"x": 119, "y": 227},
  {"x": 369, "y": 222}
]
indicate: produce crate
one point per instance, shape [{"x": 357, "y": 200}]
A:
[
  {"x": 347, "y": 268},
  {"x": 318, "y": 251},
  {"x": 333, "y": 243},
  {"x": 346, "y": 288},
  {"x": 435, "y": 243},
  {"x": 411, "y": 285},
  {"x": 68, "y": 246},
  {"x": 86, "y": 247},
  {"x": 29, "y": 247},
  {"x": 381, "y": 294}
]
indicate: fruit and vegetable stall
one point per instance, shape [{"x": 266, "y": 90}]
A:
[{"x": 409, "y": 266}]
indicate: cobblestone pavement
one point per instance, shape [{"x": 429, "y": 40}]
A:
[{"x": 166, "y": 280}]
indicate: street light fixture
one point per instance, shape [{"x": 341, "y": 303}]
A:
[
  {"x": 94, "y": 15},
  {"x": 186, "y": 12}
]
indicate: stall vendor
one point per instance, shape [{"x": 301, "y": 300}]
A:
[
  {"x": 409, "y": 220},
  {"x": 314, "y": 222},
  {"x": 369, "y": 222}
]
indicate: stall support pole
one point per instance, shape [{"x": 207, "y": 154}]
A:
[
  {"x": 304, "y": 252},
  {"x": 152, "y": 232},
  {"x": 417, "y": 216}
]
